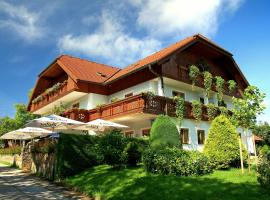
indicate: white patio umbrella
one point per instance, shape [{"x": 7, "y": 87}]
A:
[
  {"x": 101, "y": 125},
  {"x": 55, "y": 122},
  {"x": 26, "y": 133}
]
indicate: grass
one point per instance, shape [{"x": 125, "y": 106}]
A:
[{"x": 134, "y": 183}]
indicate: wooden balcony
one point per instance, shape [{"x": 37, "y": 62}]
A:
[
  {"x": 141, "y": 103},
  {"x": 184, "y": 77},
  {"x": 46, "y": 98}
]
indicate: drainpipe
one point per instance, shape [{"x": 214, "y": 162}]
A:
[
  {"x": 160, "y": 87},
  {"x": 160, "y": 81}
]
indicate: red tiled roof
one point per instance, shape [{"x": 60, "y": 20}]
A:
[
  {"x": 257, "y": 138},
  {"x": 152, "y": 58},
  {"x": 87, "y": 70},
  {"x": 155, "y": 57}
]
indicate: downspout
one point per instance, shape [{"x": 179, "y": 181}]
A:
[
  {"x": 162, "y": 86},
  {"x": 160, "y": 77}
]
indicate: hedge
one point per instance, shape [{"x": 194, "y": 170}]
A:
[
  {"x": 76, "y": 153},
  {"x": 263, "y": 168},
  {"x": 176, "y": 161}
]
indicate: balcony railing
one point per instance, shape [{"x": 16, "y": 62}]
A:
[
  {"x": 49, "y": 96},
  {"x": 141, "y": 103}
]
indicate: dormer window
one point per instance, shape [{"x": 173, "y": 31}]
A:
[{"x": 101, "y": 74}]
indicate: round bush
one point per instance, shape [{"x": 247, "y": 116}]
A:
[
  {"x": 222, "y": 145},
  {"x": 164, "y": 133},
  {"x": 175, "y": 161},
  {"x": 264, "y": 167}
]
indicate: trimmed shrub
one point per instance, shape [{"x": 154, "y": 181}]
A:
[
  {"x": 176, "y": 162},
  {"x": 222, "y": 145},
  {"x": 164, "y": 133},
  {"x": 133, "y": 152},
  {"x": 76, "y": 153},
  {"x": 264, "y": 167},
  {"x": 111, "y": 147}
]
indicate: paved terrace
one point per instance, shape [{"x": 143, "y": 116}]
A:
[{"x": 17, "y": 185}]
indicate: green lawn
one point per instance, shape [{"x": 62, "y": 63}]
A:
[{"x": 136, "y": 184}]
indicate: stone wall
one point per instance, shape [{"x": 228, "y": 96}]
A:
[
  {"x": 37, "y": 160},
  {"x": 44, "y": 164}
]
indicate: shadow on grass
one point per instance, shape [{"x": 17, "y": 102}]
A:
[{"x": 136, "y": 184}]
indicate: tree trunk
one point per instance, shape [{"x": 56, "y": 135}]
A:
[
  {"x": 246, "y": 135},
  {"x": 241, "y": 155}
]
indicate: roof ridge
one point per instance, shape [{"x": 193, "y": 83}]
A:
[
  {"x": 163, "y": 49},
  {"x": 83, "y": 59}
]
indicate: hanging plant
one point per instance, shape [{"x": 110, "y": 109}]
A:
[
  {"x": 223, "y": 110},
  {"x": 211, "y": 111},
  {"x": 193, "y": 73},
  {"x": 207, "y": 82},
  {"x": 38, "y": 99},
  {"x": 197, "y": 110},
  {"x": 180, "y": 107},
  {"x": 232, "y": 86},
  {"x": 219, "y": 87}
]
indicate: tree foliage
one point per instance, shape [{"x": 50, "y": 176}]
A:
[
  {"x": 263, "y": 130},
  {"x": 222, "y": 145},
  {"x": 164, "y": 133},
  {"x": 22, "y": 116},
  {"x": 248, "y": 107}
]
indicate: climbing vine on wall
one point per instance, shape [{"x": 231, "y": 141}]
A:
[
  {"x": 219, "y": 87},
  {"x": 207, "y": 82},
  {"x": 193, "y": 73},
  {"x": 232, "y": 86},
  {"x": 197, "y": 110},
  {"x": 211, "y": 111},
  {"x": 180, "y": 108}
]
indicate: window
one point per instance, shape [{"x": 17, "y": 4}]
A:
[
  {"x": 76, "y": 105},
  {"x": 178, "y": 94},
  {"x": 129, "y": 133},
  {"x": 211, "y": 100},
  {"x": 184, "y": 136},
  {"x": 129, "y": 95},
  {"x": 201, "y": 136},
  {"x": 146, "y": 132},
  {"x": 202, "y": 100}
]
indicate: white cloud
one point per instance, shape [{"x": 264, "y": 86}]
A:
[
  {"x": 21, "y": 20},
  {"x": 183, "y": 17},
  {"x": 110, "y": 41}
]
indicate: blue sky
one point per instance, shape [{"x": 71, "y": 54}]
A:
[{"x": 119, "y": 32}]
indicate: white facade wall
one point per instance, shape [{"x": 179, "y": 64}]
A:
[
  {"x": 137, "y": 89},
  {"x": 91, "y": 100}
]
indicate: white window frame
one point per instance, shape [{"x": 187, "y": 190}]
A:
[{"x": 189, "y": 138}]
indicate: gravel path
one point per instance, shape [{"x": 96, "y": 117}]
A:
[{"x": 14, "y": 184}]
